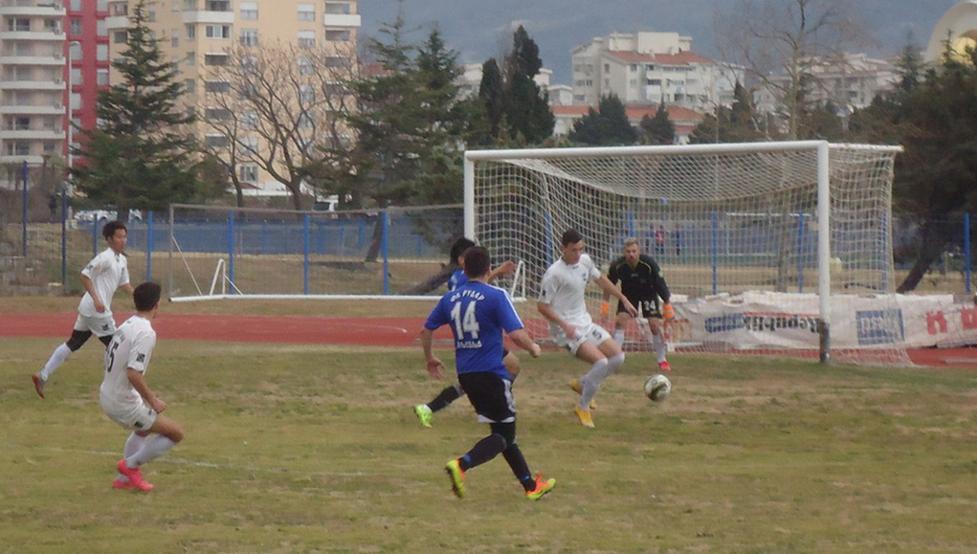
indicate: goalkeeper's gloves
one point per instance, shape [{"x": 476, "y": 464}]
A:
[
  {"x": 605, "y": 308},
  {"x": 668, "y": 312}
]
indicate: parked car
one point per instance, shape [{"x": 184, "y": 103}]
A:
[{"x": 101, "y": 216}]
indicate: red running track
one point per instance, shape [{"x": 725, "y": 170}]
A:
[{"x": 371, "y": 331}]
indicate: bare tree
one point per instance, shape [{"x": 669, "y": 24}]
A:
[
  {"x": 780, "y": 42},
  {"x": 282, "y": 108}
]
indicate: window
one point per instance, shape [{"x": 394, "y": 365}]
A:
[
  {"x": 191, "y": 30},
  {"x": 217, "y": 86},
  {"x": 102, "y": 5},
  {"x": 76, "y": 26},
  {"x": 20, "y": 24},
  {"x": 190, "y": 5},
  {"x": 337, "y": 7},
  {"x": 337, "y": 35},
  {"x": 248, "y": 173},
  {"x": 633, "y": 67},
  {"x": 305, "y": 67},
  {"x": 21, "y": 123},
  {"x": 305, "y": 121},
  {"x": 120, "y": 37},
  {"x": 18, "y": 148},
  {"x": 101, "y": 77},
  {"x": 76, "y": 5},
  {"x": 249, "y": 120},
  {"x": 52, "y": 25},
  {"x": 101, "y": 28},
  {"x": 306, "y": 12},
  {"x": 218, "y": 5},
  {"x": 75, "y": 100},
  {"x": 120, "y": 9},
  {"x": 76, "y": 78},
  {"x": 215, "y": 59},
  {"x": 151, "y": 16},
  {"x": 579, "y": 98},
  {"x": 174, "y": 41},
  {"x": 190, "y": 86},
  {"x": 607, "y": 67},
  {"x": 218, "y": 31},
  {"x": 249, "y": 37},
  {"x": 306, "y": 94},
  {"x": 335, "y": 61},
  {"x": 216, "y": 141},
  {"x": 216, "y": 114},
  {"x": 76, "y": 122},
  {"x": 655, "y": 82},
  {"x": 306, "y": 39},
  {"x": 49, "y": 146},
  {"x": 102, "y": 52},
  {"x": 191, "y": 58},
  {"x": 249, "y": 11},
  {"x": 249, "y": 145},
  {"x": 75, "y": 52}
]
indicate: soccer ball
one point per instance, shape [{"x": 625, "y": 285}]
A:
[{"x": 658, "y": 387}]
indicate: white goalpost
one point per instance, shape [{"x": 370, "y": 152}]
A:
[{"x": 782, "y": 247}]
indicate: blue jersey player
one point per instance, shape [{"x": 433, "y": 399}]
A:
[
  {"x": 478, "y": 313},
  {"x": 425, "y": 412}
]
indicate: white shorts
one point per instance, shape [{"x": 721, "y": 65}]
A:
[
  {"x": 100, "y": 324},
  {"x": 131, "y": 415},
  {"x": 592, "y": 333}
]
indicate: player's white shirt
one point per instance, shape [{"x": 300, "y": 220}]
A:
[
  {"x": 108, "y": 271},
  {"x": 131, "y": 347},
  {"x": 563, "y": 289}
]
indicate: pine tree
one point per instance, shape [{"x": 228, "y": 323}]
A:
[
  {"x": 491, "y": 92},
  {"x": 658, "y": 129},
  {"x": 606, "y": 126},
  {"x": 527, "y": 107},
  {"x": 140, "y": 155}
]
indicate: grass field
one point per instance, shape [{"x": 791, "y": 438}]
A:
[{"x": 314, "y": 448}]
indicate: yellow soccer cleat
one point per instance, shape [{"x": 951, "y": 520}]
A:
[
  {"x": 584, "y": 416},
  {"x": 457, "y": 476},
  {"x": 542, "y": 487},
  {"x": 578, "y": 388}
]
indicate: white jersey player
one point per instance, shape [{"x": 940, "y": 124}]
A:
[
  {"x": 106, "y": 272},
  {"x": 127, "y": 399},
  {"x": 562, "y": 303}
]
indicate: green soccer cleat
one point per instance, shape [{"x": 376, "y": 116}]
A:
[
  {"x": 457, "y": 476},
  {"x": 542, "y": 487},
  {"x": 424, "y": 414}
]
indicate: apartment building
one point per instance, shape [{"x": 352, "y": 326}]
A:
[
  {"x": 198, "y": 35},
  {"x": 850, "y": 82},
  {"x": 32, "y": 88},
  {"x": 647, "y": 68},
  {"x": 87, "y": 50}
]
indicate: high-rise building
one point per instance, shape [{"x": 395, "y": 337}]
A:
[
  {"x": 200, "y": 34},
  {"x": 32, "y": 88},
  {"x": 87, "y": 50}
]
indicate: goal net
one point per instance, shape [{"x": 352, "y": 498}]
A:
[{"x": 760, "y": 243}]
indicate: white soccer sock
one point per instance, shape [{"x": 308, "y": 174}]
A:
[
  {"x": 614, "y": 362},
  {"x": 152, "y": 448},
  {"x": 619, "y": 336},
  {"x": 57, "y": 358},
  {"x": 133, "y": 444},
  {"x": 658, "y": 343},
  {"x": 591, "y": 381}
]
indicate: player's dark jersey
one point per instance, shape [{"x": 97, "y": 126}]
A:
[
  {"x": 478, "y": 313},
  {"x": 643, "y": 282}
]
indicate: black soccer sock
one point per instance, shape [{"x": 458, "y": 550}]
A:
[
  {"x": 519, "y": 466},
  {"x": 445, "y": 397},
  {"x": 483, "y": 451}
]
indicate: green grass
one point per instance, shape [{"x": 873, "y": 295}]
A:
[{"x": 313, "y": 448}]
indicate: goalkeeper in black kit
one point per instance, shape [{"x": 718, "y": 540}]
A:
[{"x": 643, "y": 284}]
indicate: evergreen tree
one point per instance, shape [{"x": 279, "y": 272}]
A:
[
  {"x": 491, "y": 92},
  {"x": 140, "y": 154},
  {"x": 606, "y": 126},
  {"x": 736, "y": 123},
  {"x": 658, "y": 129}
]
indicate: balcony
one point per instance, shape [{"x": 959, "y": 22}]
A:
[
  {"x": 19, "y": 159},
  {"x": 41, "y": 109},
  {"x": 341, "y": 20},
  {"x": 33, "y": 60},
  {"x": 208, "y": 17},
  {"x": 31, "y": 85},
  {"x": 48, "y": 36},
  {"x": 41, "y": 9},
  {"x": 117, "y": 22},
  {"x": 32, "y": 134}
]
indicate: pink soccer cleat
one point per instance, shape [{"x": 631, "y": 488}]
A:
[
  {"x": 664, "y": 366},
  {"x": 135, "y": 477}
]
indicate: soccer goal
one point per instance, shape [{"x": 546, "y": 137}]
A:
[{"x": 775, "y": 247}]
